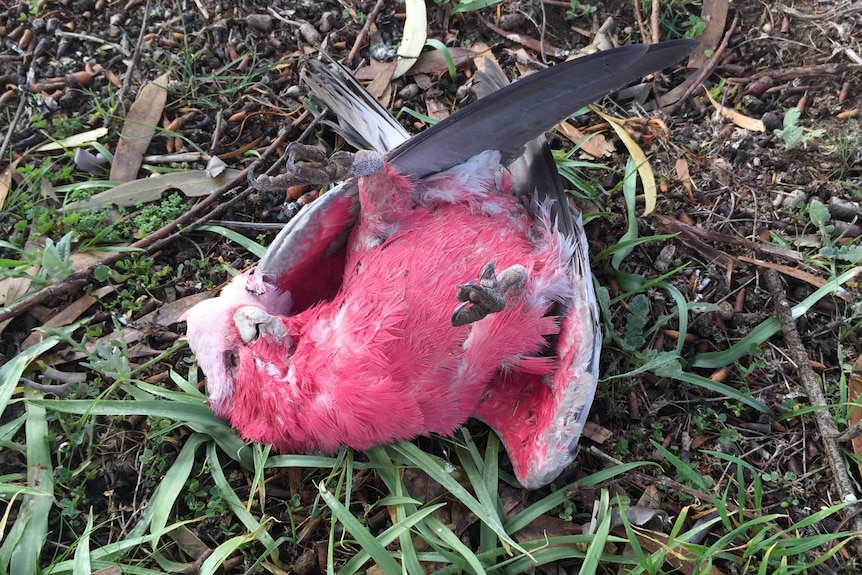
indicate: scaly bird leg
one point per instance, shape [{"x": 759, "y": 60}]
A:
[
  {"x": 308, "y": 165},
  {"x": 488, "y": 295}
]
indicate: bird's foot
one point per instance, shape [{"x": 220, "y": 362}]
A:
[
  {"x": 308, "y": 165},
  {"x": 488, "y": 295}
]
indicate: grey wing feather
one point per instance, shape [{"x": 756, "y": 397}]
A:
[
  {"x": 506, "y": 120},
  {"x": 360, "y": 119}
]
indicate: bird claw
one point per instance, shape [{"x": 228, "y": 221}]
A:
[
  {"x": 308, "y": 165},
  {"x": 488, "y": 295}
]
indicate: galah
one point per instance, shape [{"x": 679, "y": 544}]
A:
[{"x": 422, "y": 291}]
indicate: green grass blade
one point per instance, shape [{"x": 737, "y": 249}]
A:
[
  {"x": 234, "y": 502},
  {"x": 770, "y": 327},
  {"x": 360, "y": 533},
  {"x": 429, "y": 466},
  {"x": 252, "y": 246},
  {"x": 81, "y": 562},
  {"x": 23, "y": 544}
]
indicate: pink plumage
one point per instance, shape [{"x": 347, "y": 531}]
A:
[{"x": 344, "y": 335}]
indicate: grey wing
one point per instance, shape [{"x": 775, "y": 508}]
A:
[{"x": 509, "y": 118}]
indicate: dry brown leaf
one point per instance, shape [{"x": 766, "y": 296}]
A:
[
  {"x": 596, "y": 433},
  {"x": 741, "y": 120},
  {"x": 854, "y": 395},
  {"x": 683, "y": 174},
  {"x": 69, "y": 314},
  {"x": 714, "y": 13},
  {"x": 381, "y": 86},
  {"x": 793, "y": 272},
  {"x": 6, "y": 181},
  {"x": 595, "y": 145},
  {"x": 188, "y": 542},
  {"x": 139, "y": 128},
  {"x": 433, "y": 63},
  {"x": 10, "y": 290},
  {"x": 546, "y": 527},
  {"x": 436, "y": 109}
]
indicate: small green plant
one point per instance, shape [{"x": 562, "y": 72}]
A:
[
  {"x": 155, "y": 216},
  {"x": 579, "y": 9},
  {"x": 793, "y": 134}
]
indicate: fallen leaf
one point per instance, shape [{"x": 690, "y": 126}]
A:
[
  {"x": 546, "y": 527},
  {"x": 432, "y": 61},
  {"x": 683, "y": 174},
  {"x": 194, "y": 183},
  {"x": 793, "y": 272},
  {"x": 639, "y": 157},
  {"x": 188, "y": 542},
  {"x": 595, "y": 145},
  {"x": 74, "y": 141},
  {"x": 854, "y": 396},
  {"x": 741, "y": 120},
  {"x": 413, "y": 36},
  {"x": 596, "y": 433},
  {"x": 6, "y": 181},
  {"x": 69, "y": 314},
  {"x": 139, "y": 128},
  {"x": 714, "y": 14}
]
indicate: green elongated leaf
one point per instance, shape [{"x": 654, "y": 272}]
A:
[
  {"x": 12, "y": 370},
  {"x": 183, "y": 412},
  {"x": 252, "y": 246},
  {"x": 9, "y": 429},
  {"x": 214, "y": 562},
  {"x": 303, "y": 461},
  {"x": 630, "y": 183},
  {"x": 593, "y": 556},
  {"x": 444, "y": 51},
  {"x": 631, "y": 244},
  {"x": 232, "y": 499},
  {"x": 429, "y": 466},
  {"x": 105, "y": 556},
  {"x": 682, "y": 468},
  {"x": 557, "y": 498},
  {"x": 22, "y": 546},
  {"x": 363, "y": 536},
  {"x": 770, "y": 327},
  {"x": 449, "y": 538},
  {"x": 402, "y": 527},
  {"x": 81, "y": 562},
  {"x": 166, "y": 494}
]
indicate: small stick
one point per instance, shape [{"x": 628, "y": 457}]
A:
[
  {"x": 360, "y": 38},
  {"x": 828, "y": 431}
]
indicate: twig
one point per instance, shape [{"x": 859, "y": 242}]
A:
[
  {"x": 360, "y": 38},
  {"x": 167, "y": 234},
  {"x": 654, "y": 21},
  {"x": 14, "y": 123},
  {"x": 95, "y": 39},
  {"x": 640, "y": 20},
  {"x": 702, "y": 74},
  {"x": 127, "y": 77},
  {"x": 828, "y": 431}
]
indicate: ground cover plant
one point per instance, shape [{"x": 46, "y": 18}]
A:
[{"x": 724, "y": 241}]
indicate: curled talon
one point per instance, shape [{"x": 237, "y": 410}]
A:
[
  {"x": 488, "y": 295},
  {"x": 308, "y": 165}
]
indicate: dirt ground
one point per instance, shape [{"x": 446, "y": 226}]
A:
[{"x": 738, "y": 190}]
